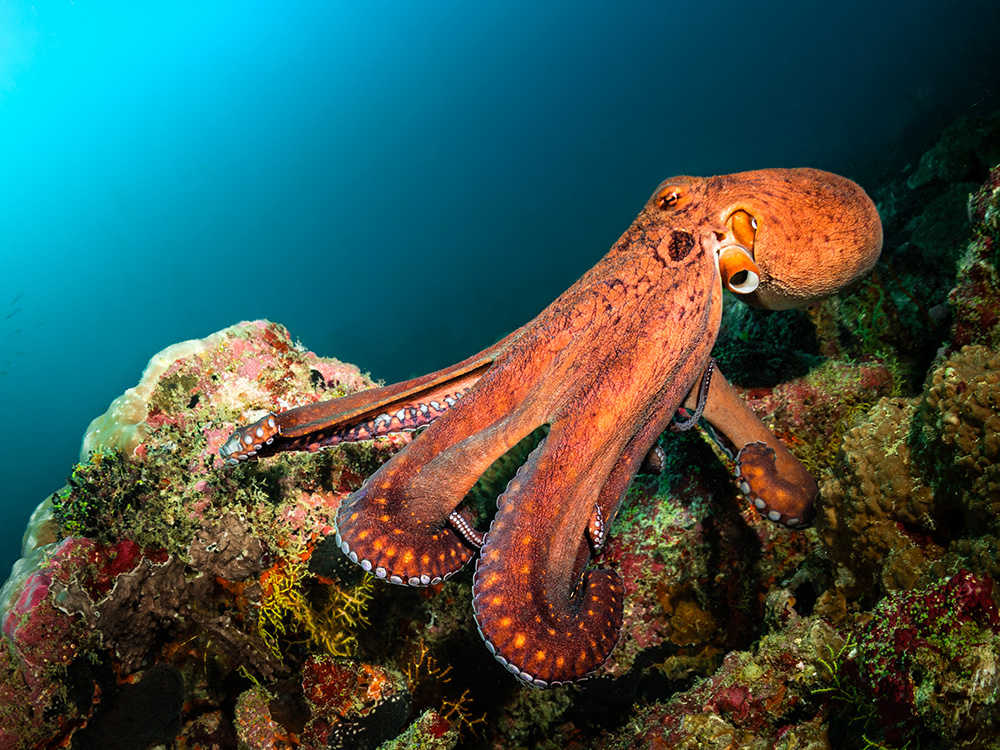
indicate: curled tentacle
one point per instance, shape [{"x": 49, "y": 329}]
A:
[
  {"x": 544, "y": 616},
  {"x": 770, "y": 477},
  {"x": 247, "y": 441},
  {"x": 781, "y": 500}
]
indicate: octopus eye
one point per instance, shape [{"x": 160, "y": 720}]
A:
[
  {"x": 669, "y": 196},
  {"x": 738, "y": 270}
]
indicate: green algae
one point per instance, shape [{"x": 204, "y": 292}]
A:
[{"x": 101, "y": 494}]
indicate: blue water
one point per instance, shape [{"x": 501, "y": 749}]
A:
[{"x": 399, "y": 183}]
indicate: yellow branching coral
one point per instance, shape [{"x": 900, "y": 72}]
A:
[
  {"x": 456, "y": 713},
  {"x": 426, "y": 678},
  {"x": 334, "y": 624},
  {"x": 425, "y": 667},
  {"x": 331, "y": 625}
]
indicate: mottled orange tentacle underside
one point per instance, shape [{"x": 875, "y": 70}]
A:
[{"x": 605, "y": 367}]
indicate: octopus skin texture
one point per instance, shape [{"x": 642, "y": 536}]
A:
[{"x": 606, "y": 367}]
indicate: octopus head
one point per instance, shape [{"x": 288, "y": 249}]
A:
[{"x": 788, "y": 237}]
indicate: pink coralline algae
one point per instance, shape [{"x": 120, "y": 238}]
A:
[
  {"x": 36, "y": 589},
  {"x": 41, "y": 644},
  {"x": 38, "y": 604}
]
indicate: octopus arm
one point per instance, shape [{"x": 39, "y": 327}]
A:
[
  {"x": 543, "y": 612},
  {"x": 405, "y": 524},
  {"x": 772, "y": 478},
  {"x": 641, "y": 447},
  {"x": 543, "y": 619},
  {"x": 365, "y": 415}
]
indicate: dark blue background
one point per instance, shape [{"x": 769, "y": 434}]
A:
[{"x": 399, "y": 183}]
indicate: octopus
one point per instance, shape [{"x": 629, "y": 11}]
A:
[{"x": 607, "y": 367}]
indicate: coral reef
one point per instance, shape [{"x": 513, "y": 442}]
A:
[
  {"x": 771, "y": 697},
  {"x": 967, "y": 150},
  {"x": 162, "y": 560},
  {"x": 165, "y": 599},
  {"x": 930, "y": 657},
  {"x": 152, "y": 566}
]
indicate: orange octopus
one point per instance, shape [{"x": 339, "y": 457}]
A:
[{"x": 606, "y": 367}]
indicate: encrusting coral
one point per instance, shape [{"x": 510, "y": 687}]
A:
[
  {"x": 872, "y": 499},
  {"x": 917, "y": 478},
  {"x": 929, "y": 657},
  {"x": 959, "y": 438}
]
